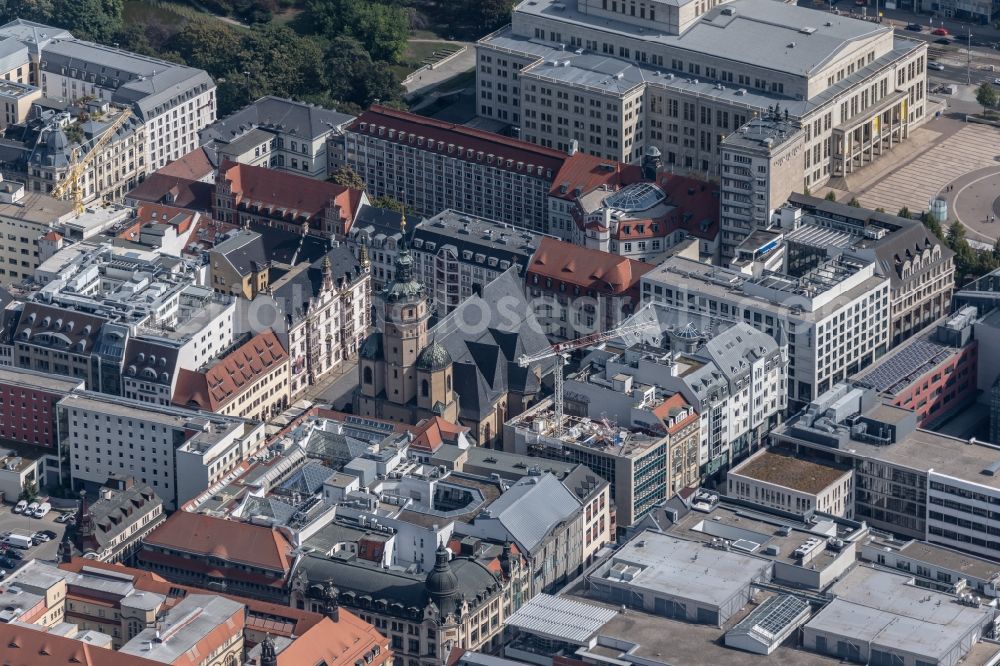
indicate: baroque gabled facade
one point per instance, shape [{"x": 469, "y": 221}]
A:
[{"x": 326, "y": 306}]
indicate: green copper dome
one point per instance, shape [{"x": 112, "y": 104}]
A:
[{"x": 434, "y": 357}]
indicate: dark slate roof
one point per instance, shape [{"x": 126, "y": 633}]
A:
[
  {"x": 382, "y": 220},
  {"x": 485, "y": 336},
  {"x": 371, "y": 348},
  {"x": 127, "y": 507},
  {"x": 287, "y": 116},
  {"x": 245, "y": 251},
  {"x": 906, "y": 238},
  {"x": 293, "y": 296},
  {"x": 488, "y": 238},
  {"x": 356, "y": 578},
  {"x": 282, "y": 246},
  {"x": 582, "y": 482},
  {"x": 76, "y": 332},
  {"x": 150, "y": 361}
]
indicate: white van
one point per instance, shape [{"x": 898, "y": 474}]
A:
[
  {"x": 42, "y": 509},
  {"x": 20, "y": 506}
]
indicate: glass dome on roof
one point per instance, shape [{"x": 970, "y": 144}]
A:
[{"x": 637, "y": 197}]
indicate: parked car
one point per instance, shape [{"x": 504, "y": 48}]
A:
[
  {"x": 3, "y": 574},
  {"x": 65, "y": 518},
  {"x": 13, "y": 554},
  {"x": 20, "y": 506},
  {"x": 915, "y": 27},
  {"x": 940, "y": 32},
  {"x": 30, "y": 509},
  {"x": 996, "y": 81},
  {"x": 944, "y": 40},
  {"x": 49, "y": 534},
  {"x": 8, "y": 563},
  {"x": 935, "y": 66},
  {"x": 41, "y": 510},
  {"x": 19, "y": 541},
  {"x": 40, "y": 537}
]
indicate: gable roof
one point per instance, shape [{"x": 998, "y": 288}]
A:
[
  {"x": 23, "y": 645},
  {"x": 227, "y": 540},
  {"x": 293, "y": 294},
  {"x": 588, "y": 172},
  {"x": 244, "y": 251},
  {"x": 233, "y": 374},
  {"x": 332, "y": 643},
  {"x": 586, "y": 268},
  {"x": 431, "y": 434},
  {"x": 484, "y": 357},
  {"x": 277, "y": 619},
  {"x": 277, "y": 114},
  {"x": 280, "y": 191},
  {"x": 194, "y": 165},
  {"x": 531, "y": 508},
  {"x": 175, "y": 191}
]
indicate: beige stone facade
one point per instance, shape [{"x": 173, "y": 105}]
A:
[{"x": 594, "y": 75}]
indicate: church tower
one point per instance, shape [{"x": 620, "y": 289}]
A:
[{"x": 390, "y": 362}]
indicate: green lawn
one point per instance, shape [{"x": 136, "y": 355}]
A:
[
  {"x": 418, "y": 54},
  {"x": 151, "y": 12}
]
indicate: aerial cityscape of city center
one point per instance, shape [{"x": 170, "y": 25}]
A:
[{"x": 499, "y": 332}]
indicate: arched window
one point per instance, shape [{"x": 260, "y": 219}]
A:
[
  {"x": 424, "y": 388},
  {"x": 368, "y": 375}
]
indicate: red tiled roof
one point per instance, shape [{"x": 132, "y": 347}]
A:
[
  {"x": 181, "y": 218},
  {"x": 588, "y": 172},
  {"x": 475, "y": 140},
  {"x": 195, "y": 165},
  {"x": 226, "y": 540},
  {"x": 295, "y": 621},
  {"x": 334, "y": 643},
  {"x": 232, "y": 375},
  {"x": 205, "y": 231},
  {"x": 282, "y": 191},
  {"x": 583, "y": 267},
  {"x": 696, "y": 201},
  {"x": 52, "y": 236},
  {"x": 662, "y": 411},
  {"x": 220, "y": 573},
  {"x": 180, "y": 192},
  {"x": 430, "y": 434},
  {"x": 21, "y": 646}
]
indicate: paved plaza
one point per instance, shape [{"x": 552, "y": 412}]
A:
[
  {"x": 947, "y": 157},
  {"x": 914, "y": 179}
]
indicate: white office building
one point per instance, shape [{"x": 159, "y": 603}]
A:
[
  {"x": 835, "y": 316},
  {"x": 177, "y": 452}
]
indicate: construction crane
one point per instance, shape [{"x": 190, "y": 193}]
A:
[
  {"x": 71, "y": 183},
  {"x": 559, "y": 350}
]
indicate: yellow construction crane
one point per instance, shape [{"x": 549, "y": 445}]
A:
[{"x": 71, "y": 183}]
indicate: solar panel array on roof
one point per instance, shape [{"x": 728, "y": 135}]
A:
[{"x": 896, "y": 372}]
